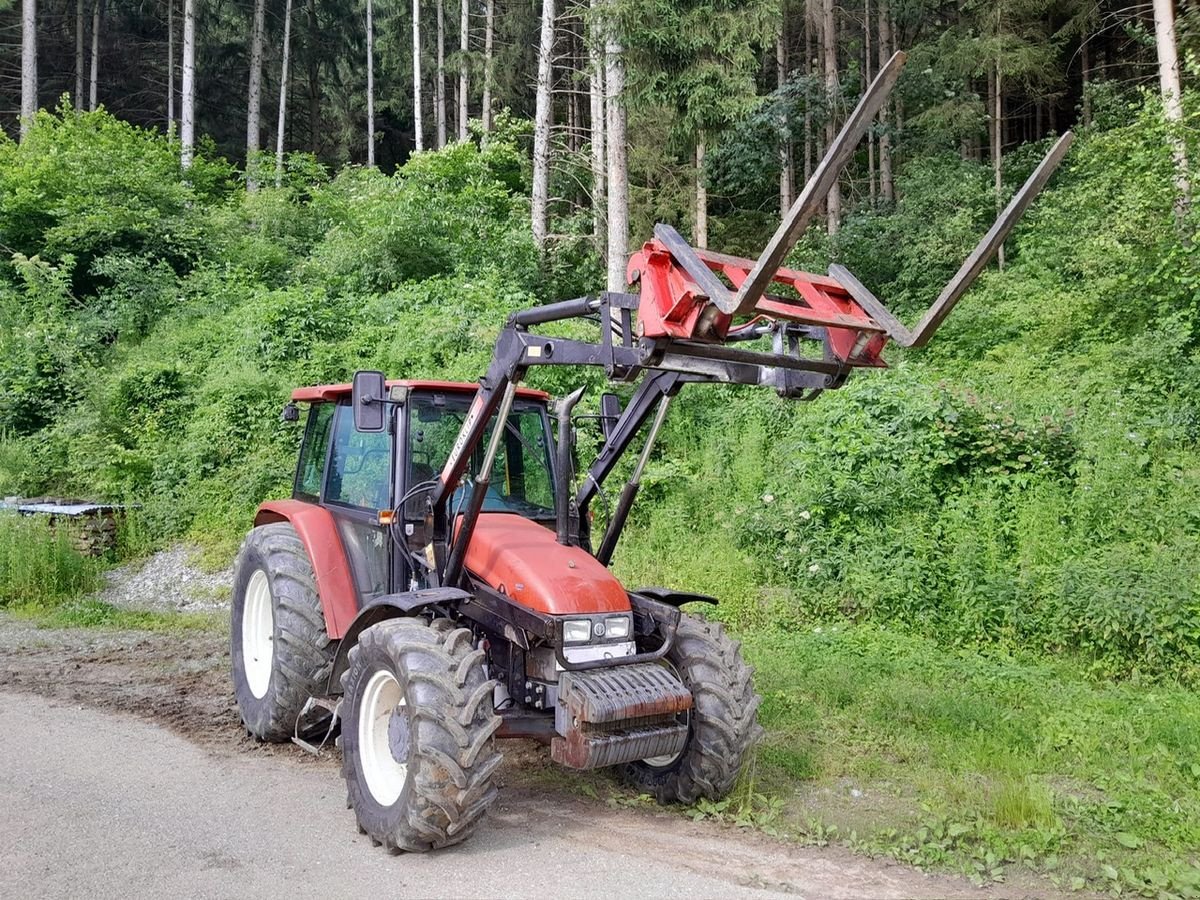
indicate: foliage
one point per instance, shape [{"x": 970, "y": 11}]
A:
[{"x": 39, "y": 566}]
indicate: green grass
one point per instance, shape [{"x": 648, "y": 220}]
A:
[
  {"x": 980, "y": 762},
  {"x": 44, "y": 579},
  {"x": 87, "y": 612},
  {"x": 39, "y": 566}
]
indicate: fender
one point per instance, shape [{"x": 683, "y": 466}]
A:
[
  {"x": 674, "y": 598},
  {"x": 379, "y": 609},
  {"x": 318, "y": 532}
]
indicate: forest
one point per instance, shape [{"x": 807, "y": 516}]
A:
[{"x": 967, "y": 582}]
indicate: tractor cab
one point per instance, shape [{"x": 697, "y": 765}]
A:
[{"x": 377, "y": 481}]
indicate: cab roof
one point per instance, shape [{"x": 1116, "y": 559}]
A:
[{"x": 332, "y": 392}]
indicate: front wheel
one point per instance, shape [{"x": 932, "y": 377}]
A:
[
  {"x": 418, "y": 752},
  {"x": 722, "y": 723}
]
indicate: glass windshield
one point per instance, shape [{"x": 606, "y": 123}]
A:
[{"x": 520, "y": 480}]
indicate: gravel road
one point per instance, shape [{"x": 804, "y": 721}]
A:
[{"x": 124, "y": 773}]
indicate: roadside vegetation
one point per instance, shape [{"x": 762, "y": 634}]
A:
[{"x": 968, "y": 583}]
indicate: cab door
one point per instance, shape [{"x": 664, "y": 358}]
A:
[{"x": 358, "y": 480}]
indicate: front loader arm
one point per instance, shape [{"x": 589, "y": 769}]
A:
[{"x": 702, "y": 317}]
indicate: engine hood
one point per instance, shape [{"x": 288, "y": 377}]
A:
[{"x": 521, "y": 559}]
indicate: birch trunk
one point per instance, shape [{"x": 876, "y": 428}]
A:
[
  {"x": 314, "y": 81},
  {"x": 489, "y": 33},
  {"x": 1085, "y": 66},
  {"x": 787, "y": 175},
  {"x": 701, "y": 235},
  {"x": 997, "y": 141},
  {"x": 94, "y": 83},
  {"x": 886, "y": 188},
  {"x": 187, "y": 101},
  {"x": 371, "y": 86},
  {"x": 418, "y": 135},
  {"x": 808, "y": 129},
  {"x": 439, "y": 83},
  {"x": 170, "y": 62},
  {"x": 464, "y": 45},
  {"x": 29, "y": 81},
  {"x": 866, "y": 81},
  {"x": 79, "y": 54},
  {"x": 618, "y": 175},
  {"x": 542, "y": 122},
  {"x": 281, "y": 127},
  {"x": 1168, "y": 78},
  {"x": 596, "y": 97},
  {"x": 254, "y": 94},
  {"x": 833, "y": 203}
]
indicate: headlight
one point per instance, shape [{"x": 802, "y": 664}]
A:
[
  {"x": 577, "y": 631},
  {"x": 618, "y": 626}
]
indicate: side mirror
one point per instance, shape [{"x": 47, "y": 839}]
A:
[
  {"x": 367, "y": 397},
  {"x": 610, "y": 412}
]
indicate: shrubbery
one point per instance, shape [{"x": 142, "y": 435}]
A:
[{"x": 1032, "y": 479}]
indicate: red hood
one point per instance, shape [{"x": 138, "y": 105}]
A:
[{"x": 522, "y": 559}]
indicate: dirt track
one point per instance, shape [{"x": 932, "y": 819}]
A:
[{"x": 86, "y": 684}]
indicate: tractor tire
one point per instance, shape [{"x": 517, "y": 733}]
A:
[
  {"x": 418, "y": 747},
  {"x": 722, "y": 724},
  {"x": 280, "y": 650}
]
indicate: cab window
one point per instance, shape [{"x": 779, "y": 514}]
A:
[
  {"x": 313, "y": 451},
  {"x": 359, "y": 465},
  {"x": 520, "y": 482}
]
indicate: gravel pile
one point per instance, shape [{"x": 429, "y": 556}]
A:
[{"x": 167, "y": 580}]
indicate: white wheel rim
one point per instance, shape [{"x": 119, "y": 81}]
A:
[
  {"x": 381, "y": 699},
  {"x": 258, "y": 634}
]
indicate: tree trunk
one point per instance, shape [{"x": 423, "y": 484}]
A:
[
  {"x": 371, "y": 83},
  {"x": 79, "y": 53},
  {"x": 1085, "y": 65},
  {"x": 170, "y": 62},
  {"x": 94, "y": 85},
  {"x": 187, "y": 124},
  {"x": 281, "y": 127},
  {"x": 808, "y": 129},
  {"x": 886, "y": 188},
  {"x": 464, "y": 46},
  {"x": 618, "y": 175},
  {"x": 996, "y": 124},
  {"x": 787, "y": 175},
  {"x": 314, "y": 81},
  {"x": 542, "y": 122},
  {"x": 1168, "y": 79},
  {"x": 867, "y": 62},
  {"x": 439, "y": 83},
  {"x": 254, "y": 94},
  {"x": 488, "y": 39},
  {"x": 418, "y": 135},
  {"x": 29, "y": 79},
  {"x": 701, "y": 235},
  {"x": 596, "y": 96},
  {"x": 833, "y": 203}
]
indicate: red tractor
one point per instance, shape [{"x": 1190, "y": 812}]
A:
[{"x": 434, "y": 583}]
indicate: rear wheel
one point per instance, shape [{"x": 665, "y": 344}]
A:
[
  {"x": 418, "y": 752},
  {"x": 281, "y": 652},
  {"x": 722, "y": 724}
]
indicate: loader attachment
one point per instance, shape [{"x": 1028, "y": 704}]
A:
[
  {"x": 701, "y": 317},
  {"x": 685, "y": 293}
]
